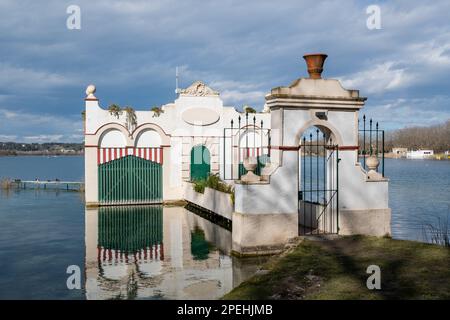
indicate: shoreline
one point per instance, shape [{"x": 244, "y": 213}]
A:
[{"x": 42, "y": 154}]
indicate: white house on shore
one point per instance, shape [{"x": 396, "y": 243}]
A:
[
  {"x": 147, "y": 157},
  {"x": 419, "y": 154}
]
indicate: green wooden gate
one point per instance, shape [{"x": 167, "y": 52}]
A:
[
  {"x": 200, "y": 163},
  {"x": 129, "y": 180}
]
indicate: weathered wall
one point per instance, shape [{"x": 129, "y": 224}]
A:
[{"x": 213, "y": 200}]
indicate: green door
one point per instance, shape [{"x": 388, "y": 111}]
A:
[
  {"x": 129, "y": 180},
  {"x": 200, "y": 163}
]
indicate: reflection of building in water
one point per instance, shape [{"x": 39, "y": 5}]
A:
[
  {"x": 135, "y": 231},
  {"x": 155, "y": 252}
]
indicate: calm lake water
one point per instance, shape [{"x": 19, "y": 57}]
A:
[{"x": 183, "y": 256}]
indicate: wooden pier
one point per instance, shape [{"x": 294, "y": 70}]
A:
[{"x": 48, "y": 184}]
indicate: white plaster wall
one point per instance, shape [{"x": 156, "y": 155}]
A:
[
  {"x": 175, "y": 163},
  {"x": 256, "y": 234},
  {"x": 346, "y": 122},
  {"x": 278, "y": 196},
  {"x": 90, "y": 176},
  {"x": 374, "y": 222},
  {"x": 213, "y": 200},
  {"x": 356, "y": 192},
  {"x": 293, "y": 120}
]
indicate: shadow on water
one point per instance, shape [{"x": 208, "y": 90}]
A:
[{"x": 156, "y": 252}]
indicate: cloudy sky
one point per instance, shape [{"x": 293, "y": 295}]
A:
[{"x": 129, "y": 50}]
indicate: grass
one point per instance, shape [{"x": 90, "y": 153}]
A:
[
  {"x": 438, "y": 233},
  {"x": 336, "y": 269}
]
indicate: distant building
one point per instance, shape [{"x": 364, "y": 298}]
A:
[
  {"x": 399, "y": 152},
  {"x": 419, "y": 154}
]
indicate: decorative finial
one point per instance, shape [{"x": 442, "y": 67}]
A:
[{"x": 90, "y": 90}]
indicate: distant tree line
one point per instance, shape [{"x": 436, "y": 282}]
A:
[
  {"x": 12, "y": 148},
  {"x": 435, "y": 137}
]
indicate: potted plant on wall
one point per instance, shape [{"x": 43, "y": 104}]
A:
[{"x": 157, "y": 111}]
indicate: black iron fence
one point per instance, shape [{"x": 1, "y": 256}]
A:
[
  {"x": 371, "y": 142},
  {"x": 246, "y": 137}
]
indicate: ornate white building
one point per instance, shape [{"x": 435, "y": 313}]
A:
[{"x": 151, "y": 156}]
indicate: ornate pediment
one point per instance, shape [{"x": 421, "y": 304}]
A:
[{"x": 198, "y": 89}]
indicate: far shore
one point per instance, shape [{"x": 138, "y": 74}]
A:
[{"x": 40, "y": 154}]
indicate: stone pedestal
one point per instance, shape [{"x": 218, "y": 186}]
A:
[{"x": 261, "y": 234}]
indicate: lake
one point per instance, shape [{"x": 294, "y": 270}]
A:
[{"x": 43, "y": 232}]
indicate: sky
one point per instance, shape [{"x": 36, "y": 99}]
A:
[{"x": 130, "y": 49}]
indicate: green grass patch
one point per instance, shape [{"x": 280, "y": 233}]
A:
[{"x": 336, "y": 269}]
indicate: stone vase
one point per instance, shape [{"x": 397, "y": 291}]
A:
[
  {"x": 372, "y": 163},
  {"x": 250, "y": 164}
]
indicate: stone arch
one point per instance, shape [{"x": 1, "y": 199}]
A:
[
  {"x": 112, "y": 135},
  {"x": 148, "y": 138},
  {"x": 324, "y": 126},
  {"x": 165, "y": 138}
]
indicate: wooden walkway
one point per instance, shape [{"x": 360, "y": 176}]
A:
[{"x": 49, "y": 184}]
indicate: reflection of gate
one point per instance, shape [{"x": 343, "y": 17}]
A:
[
  {"x": 319, "y": 178},
  {"x": 130, "y": 231},
  {"x": 242, "y": 140},
  {"x": 200, "y": 163},
  {"x": 127, "y": 176}
]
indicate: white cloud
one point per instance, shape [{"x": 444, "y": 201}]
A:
[
  {"x": 20, "y": 78},
  {"x": 43, "y": 138},
  {"x": 7, "y": 137},
  {"x": 35, "y": 127},
  {"x": 379, "y": 78},
  {"x": 239, "y": 93},
  {"x": 404, "y": 111}
]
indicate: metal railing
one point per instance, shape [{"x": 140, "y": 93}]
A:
[
  {"x": 238, "y": 145},
  {"x": 371, "y": 142}
]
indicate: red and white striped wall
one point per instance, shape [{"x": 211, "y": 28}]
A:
[
  {"x": 153, "y": 253},
  {"x": 108, "y": 154}
]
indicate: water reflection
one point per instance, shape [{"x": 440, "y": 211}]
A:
[{"x": 156, "y": 252}]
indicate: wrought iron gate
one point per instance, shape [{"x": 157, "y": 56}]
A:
[
  {"x": 319, "y": 186},
  {"x": 134, "y": 178}
]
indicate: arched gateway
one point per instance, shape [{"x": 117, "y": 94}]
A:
[{"x": 343, "y": 199}]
